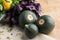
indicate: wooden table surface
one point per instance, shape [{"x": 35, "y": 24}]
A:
[{"x": 52, "y": 8}]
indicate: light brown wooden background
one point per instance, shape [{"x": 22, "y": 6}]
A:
[{"x": 52, "y": 8}]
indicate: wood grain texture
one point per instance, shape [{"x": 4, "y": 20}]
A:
[{"x": 52, "y": 8}]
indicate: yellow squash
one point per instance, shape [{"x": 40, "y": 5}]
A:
[{"x": 7, "y": 4}]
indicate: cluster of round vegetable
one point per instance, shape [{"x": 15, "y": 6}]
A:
[
  {"x": 32, "y": 24},
  {"x": 25, "y": 13}
]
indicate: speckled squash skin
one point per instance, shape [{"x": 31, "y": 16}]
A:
[
  {"x": 27, "y": 17},
  {"x": 31, "y": 30},
  {"x": 45, "y": 24}
]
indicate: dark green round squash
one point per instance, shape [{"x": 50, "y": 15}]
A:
[
  {"x": 27, "y": 17},
  {"x": 31, "y": 30},
  {"x": 45, "y": 24}
]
